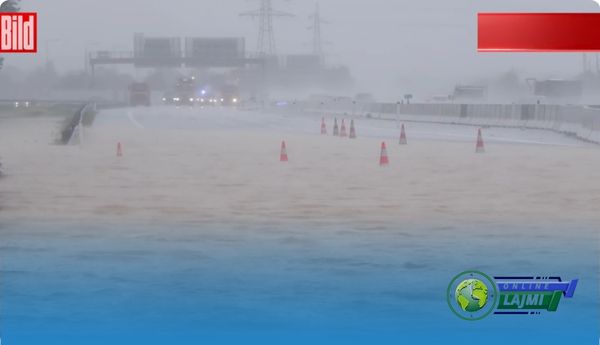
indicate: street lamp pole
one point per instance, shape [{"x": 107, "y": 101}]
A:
[{"x": 48, "y": 44}]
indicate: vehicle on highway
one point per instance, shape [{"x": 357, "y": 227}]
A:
[
  {"x": 184, "y": 92},
  {"x": 230, "y": 95},
  {"x": 188, "y": 92},
  {"x": 139, "y": 94}
]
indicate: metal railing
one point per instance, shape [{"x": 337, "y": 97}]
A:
[
  {"x": 73, "y": 132},
  {"x": 582, "y": 122}
]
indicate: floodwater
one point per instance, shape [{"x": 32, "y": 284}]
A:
[
  {"x": 198, "y": 234},
  {"x": 211, "y": 165}
]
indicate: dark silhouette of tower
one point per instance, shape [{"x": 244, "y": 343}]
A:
[
  {"x": 317, "y": 42},
  {"x": 266, "y": 36}
]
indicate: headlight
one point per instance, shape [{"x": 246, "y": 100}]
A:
[
  {"x": 191, "y": 99},
  {"x": 234, "y": 100}
]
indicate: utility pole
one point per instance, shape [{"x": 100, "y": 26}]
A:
[
  {"x": 586, "y": 64},
  {"x": 49, "y": 43},
  {"x": 317, "y": 42},
  {"x": 266, "y": 36}
]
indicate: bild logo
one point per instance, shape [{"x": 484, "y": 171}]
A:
[{"x": 18, "y": 32}]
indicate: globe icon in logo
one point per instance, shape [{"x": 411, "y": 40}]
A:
[{"x": 471, "y": 295}]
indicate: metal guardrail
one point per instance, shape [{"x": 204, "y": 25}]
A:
[
  {"x": 582, "y": 122},
  {"x": 38, "y": 103},
  {"x": 73, "y": 128},
  {"x": 73, "y": 131}
]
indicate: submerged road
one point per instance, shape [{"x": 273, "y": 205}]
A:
[
  {"x": 199, "y": 235},
  {"x": 296, "y": 123}
]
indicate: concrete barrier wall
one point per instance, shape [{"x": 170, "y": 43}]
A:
[{"x": 579, "y": 121}]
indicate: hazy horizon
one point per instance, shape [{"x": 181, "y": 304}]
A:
[{"x": 389, "y": 46}]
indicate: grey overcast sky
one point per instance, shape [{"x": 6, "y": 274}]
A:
[{"x": 382, "y": 41}]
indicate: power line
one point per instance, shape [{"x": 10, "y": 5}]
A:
[{"x": 266, "y": 36}]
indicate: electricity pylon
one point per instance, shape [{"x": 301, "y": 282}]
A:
[{"x": 266, "y": 36}]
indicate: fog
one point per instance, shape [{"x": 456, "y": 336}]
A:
[
  {"x": 390, "y": 46},
  {"x": 153, "y": 206}
]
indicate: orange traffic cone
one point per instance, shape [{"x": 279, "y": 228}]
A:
[
  {"x": 283, "y": 157},
  {"x": 336, "y": 130},
  {"x": 119, "y": 149},
  {"x": 343, "y": 132},
  {"x": 480, "y": 146},
  {"x": 323, "y": 127},
  {"x": 403, "y": 140},
  {"x": 383, "y": 159},
  {"x": 352, "y": 130}
]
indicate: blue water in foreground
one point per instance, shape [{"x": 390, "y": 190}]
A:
[{"x": 281, "y": 283}]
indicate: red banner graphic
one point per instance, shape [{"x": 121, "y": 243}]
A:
[{"x": 538, "y": 32}]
